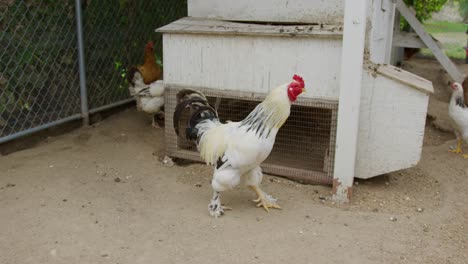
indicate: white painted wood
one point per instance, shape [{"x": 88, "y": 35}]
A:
[
  {"x": 380, "y": 33},
  {"x": 410, "y": 40},
  {"x": 189, "y": 25},
  {"x": 355, "y": 21},
  {"x": 448, "y": 65},
  {"x": 247, "y": 63},
  {"x": 291, "y": 11},
  {"x": 407, "y": 78},
  {"x": 391, "y": 125}
]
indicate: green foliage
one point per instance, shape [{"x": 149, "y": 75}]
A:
[
  {"x": 115, "y": 37},
  {"x": 463, "y": 6},
  {"x": 32, "y": 50},
  {"x": 39, "y": 77},
  {"x": 424, "y": 10}
]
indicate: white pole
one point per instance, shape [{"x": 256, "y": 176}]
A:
[{"x": 350, "y": 98}]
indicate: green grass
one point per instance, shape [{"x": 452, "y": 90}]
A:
[
  {"x": 451, "y": 35},
  {"x": 444, "y": 27}
]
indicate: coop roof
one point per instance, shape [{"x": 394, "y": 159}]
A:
[
  {"x": 189, "y": 25},
  {"x": 402, "y": 76}
]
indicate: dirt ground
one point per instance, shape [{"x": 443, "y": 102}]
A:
[{"x": 101, "y": 195}]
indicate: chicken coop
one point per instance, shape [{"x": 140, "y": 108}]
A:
[{"x": 363, "y": 124}]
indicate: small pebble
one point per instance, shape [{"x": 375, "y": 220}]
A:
[
  {"x": 258, "y": 219},
  {"x": 64, "y": 200},
  {"x": 104, "y": 255},
  {"x": 117, "y": 179},
  {"x": 198, "y": 185},
  {"x": 9, "y": 185},
  {"x": 321, "y": 197},
  {"x": 420, "y": 210},
  {"x": 393, "y": 219},
  {"x": 375, "y": 210},
  {"x": 425, "y": 228},
  {"x": 167, "y": 161},
  {"x": 301, "y": 232}
]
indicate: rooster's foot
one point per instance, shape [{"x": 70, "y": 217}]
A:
[
  {"x": 465, "y": 156},
  {"x": 457, "y": 150},
  {"x": 265, "y": 200},
  {"x": 215, "y": 207}
]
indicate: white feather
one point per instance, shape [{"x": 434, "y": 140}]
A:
[
  {"x": 244, "y": 149},
  {"x": 149, "y": 97},
  {"x": 459, "y": 116}
]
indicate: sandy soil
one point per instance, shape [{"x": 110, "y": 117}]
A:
[{"x": 101, "y": 195}]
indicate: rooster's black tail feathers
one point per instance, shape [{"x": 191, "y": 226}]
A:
[{"x": 192, "y": 108}]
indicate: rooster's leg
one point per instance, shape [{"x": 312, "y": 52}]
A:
[
  {"x": 265, "y": 200},
  {"x": 459, "y": 144},
  {"x": 215, "y": 207},
  {"x": 223, "y": 179}
]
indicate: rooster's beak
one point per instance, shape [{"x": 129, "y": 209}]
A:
[{"x": 303, "y": 90}]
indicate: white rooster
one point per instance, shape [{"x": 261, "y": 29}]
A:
[
  {"x": 235, "y": 149},
  {"x": 458, "y": 112},
  {"x": 149, "y": 97}
]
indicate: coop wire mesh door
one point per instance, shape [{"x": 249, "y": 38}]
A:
[{"x": 304, "y": 147}]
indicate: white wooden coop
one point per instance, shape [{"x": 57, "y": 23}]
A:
[{"x": 359, "y": 118}]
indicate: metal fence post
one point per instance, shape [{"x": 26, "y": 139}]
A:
[{"x": 81, "y": 63}]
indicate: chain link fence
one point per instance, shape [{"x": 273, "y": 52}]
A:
[{"x": 39, "y": 56}]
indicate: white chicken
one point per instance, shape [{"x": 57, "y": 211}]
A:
[
  {"x": 149, "y": 97},
  {"x": 235, "y": 149},
  {"x": 458, "y": 112}
]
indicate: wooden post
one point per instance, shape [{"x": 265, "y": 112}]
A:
[
  {"x": 448, "y": 65},
  {"x": 350, "y": 98},
  {"x": 397, "y": 52}
]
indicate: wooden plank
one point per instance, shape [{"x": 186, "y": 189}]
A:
[
  {"x": 207, "y": 26},
  {"x": 448, "y": 65},
  {"x": 381, "y": 32},
  {"x": 407, "y": 78},
  {"x": 350, "y": 95},
  {"x": 254, "y": 63},
  {"x": 281, "y": 11},
  {"x": 411, "y": 40}
]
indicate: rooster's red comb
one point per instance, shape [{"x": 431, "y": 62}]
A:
[
  {"x": 149, "y": 45},
  {"x": 299, "y": 79}
]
